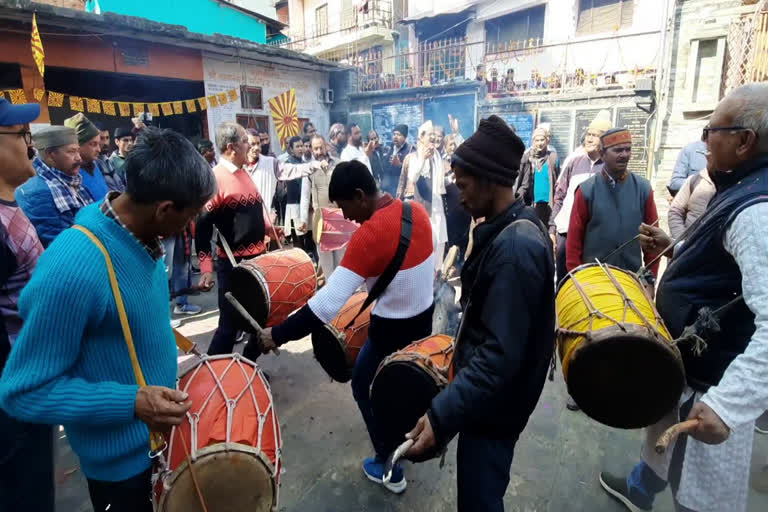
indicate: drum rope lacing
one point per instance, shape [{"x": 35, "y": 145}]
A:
[{"x": 440, "y": 373}]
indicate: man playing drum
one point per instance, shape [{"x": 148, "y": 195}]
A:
[
  {"x": 403, "y": 311},
  {"x": 70, "y": 364},
  {"x": 504, "y": 345},
  {"x": 720, "y": 264}
]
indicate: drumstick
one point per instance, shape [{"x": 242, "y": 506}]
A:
[
  {"x": 240, "y": 309},
  {"x": 392, "y": 459},
  {"x": 192, "y": 471},
  {"x": 685, "y": 427}
]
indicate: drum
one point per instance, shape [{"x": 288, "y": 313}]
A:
[
  {"x": 617, "y": 357},
  {"x": 273, "y": 285},
  {"x": 331, "y": 230},
  {"x": 335, "y": 347},
  {"x": 405, "y": 384},
  {"x": 232, "y": 437}
]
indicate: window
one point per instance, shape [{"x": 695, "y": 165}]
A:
[
  {"x": 704, "y": 74},
  {"x": 321, "y": 20},
  {"x": 518, "y": 26},
  {"x": 250, "y": 97},
  {"x": 598, "y": 16},
  {"x": 259, "y": 123}
]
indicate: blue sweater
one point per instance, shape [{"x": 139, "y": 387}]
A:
[
  {"x": 95, "y": 183},
  {"x": 70, "y": 363}
]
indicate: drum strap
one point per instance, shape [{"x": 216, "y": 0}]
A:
[
  {"x": 156, "y": 440},
  {"x": 393, "y": 267}
]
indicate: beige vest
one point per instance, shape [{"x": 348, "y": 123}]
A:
[{"x": 320, "y": 181}]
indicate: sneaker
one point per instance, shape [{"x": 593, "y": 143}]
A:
[
  {"x": 175, "y": 323},
  {"x": 187, "y": 309},
  {"x": 571, "y": 404},
  {"x": 761, "y": 423},
  {"x": 617, "y": 487},
  {"x": 373, "y": 467},
  {"x": 240, "y": 336}
]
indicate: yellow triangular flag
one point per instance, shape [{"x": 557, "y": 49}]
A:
[
  {"x": 37, "y": 47},
  {"x": 39, "y": 93}
]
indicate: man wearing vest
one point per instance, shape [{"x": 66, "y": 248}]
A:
[
  {"x": 403, "y": 310},
  {"x": 608, "y": 208},
  {"x": 71, "y": 363},
  {"x": 723, "y": 259}
]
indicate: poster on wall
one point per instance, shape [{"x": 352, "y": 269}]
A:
[
  {"x": 388, "y": 115},
  {"x": 583, "y": 118},
  {"x": 522, "y": 123},
  {"x": 562, "y": 128},
  {"x": 634, "y": 120},
  {"x": 460, "y": 107}
]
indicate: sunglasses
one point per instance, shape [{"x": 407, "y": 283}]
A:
[
  {"x": 707, "y": 129},
  {"x": 27, "y": 135}
]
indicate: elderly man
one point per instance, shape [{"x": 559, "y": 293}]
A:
[
  {"x": 26, "y": 453},
  {"x": 97, "y": 178},
  {"x": 539, "y": 170},
  {"x": 56, "y": 193},
  {"x": 124, "y": 140},
  {"x": 692, "y": 159},
  {"x": 400, "y": 149},
  {"x": 727, "y": 382},
  {"x": 86, "y": 380},
  {"x": 608, "y": 207}
]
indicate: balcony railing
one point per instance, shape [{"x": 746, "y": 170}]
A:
[{"x": 514, "y": 68}]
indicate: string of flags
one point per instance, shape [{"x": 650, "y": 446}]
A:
[{"x": 123, "y": 108}]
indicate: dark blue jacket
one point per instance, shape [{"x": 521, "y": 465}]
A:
[{"x": 36, "y": 201}]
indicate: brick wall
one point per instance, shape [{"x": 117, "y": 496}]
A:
[{"x": 69, "y": 4}]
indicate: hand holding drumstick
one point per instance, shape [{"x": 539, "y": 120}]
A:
[{"x": 703, "y": 424}]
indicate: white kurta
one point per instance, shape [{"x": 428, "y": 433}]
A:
[
  {"x": 416, "y": 167},
  {"x": 350, "y": 153},
  {"x": 716, "y": 477},
  {"x": 264, "y": 176}
]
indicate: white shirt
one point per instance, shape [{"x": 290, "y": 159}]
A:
[
  {"x": 352, "y": 153},
  {"x": 264, "y": 176},
  {"x": 229, "y": 165}
]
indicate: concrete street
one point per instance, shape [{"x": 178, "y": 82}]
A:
[{"x": 555, "y": 469}]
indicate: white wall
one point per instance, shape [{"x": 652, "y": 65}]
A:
[
  {"x": 222, "y": 75},
  {"x": 263, "y": 7}
]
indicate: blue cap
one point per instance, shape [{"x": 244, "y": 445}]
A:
[{"x": 17, "y": 114}]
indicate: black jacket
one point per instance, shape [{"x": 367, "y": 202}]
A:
[
  {"x": 525, "y": 178},
  {"x": 504, "y": 349}
]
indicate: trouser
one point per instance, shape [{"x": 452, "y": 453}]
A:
[
  {"x": 368, "y": 361},
  {"x": 543, "y": 212},
  {"x": 643, "y": 482},
  {"x": 482, "y": 472},
  {"x": 26, "y": 466},
  {"x": 131, "y": 495},
  {"x": 329, "y": 260},
  {"x": 177, "y": 266},
  {"x": 224, "y": 338},
  {"x": 560, "y": 257}
]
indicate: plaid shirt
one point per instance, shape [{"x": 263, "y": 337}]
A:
[
  {"x": 68, "y": 191},
  {"x": 154, "y": 248}
]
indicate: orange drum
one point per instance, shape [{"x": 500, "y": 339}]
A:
[
  {"x": 332, "y": 231},
  {"x": 405, "y": 384},
  {"x": 335, "y": 347},
  {"x": 274, "y": 285},
  {"x": 232, "y": 437}
]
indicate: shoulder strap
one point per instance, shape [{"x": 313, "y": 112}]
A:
[
  {"x": 393, "y": 267},
  {"x": 157, "y": 441}
]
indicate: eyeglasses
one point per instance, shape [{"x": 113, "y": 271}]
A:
[
  {"x": 27, "y": 135},
  {"x": 707, "y": 129}
]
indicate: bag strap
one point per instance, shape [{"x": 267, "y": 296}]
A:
[
  {"x": 157, "y": 441},
  {"x": 406, "y": 232}
]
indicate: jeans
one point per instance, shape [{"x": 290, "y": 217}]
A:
[
  {"x": 26, "y": 466},
  {"x": 131, "y": 495},
  {"x": 482, "y": 472},
  {"x": 224, "y": 338},
  {"x": 560, "y": 258},
  {"x": 178, "y": 267},
  {"x": 368, "y": 361}
]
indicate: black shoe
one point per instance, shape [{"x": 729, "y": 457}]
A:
[{"x": 617, "y": 487}]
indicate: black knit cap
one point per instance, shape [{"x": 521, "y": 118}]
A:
[{"x": 494, "y": 151}]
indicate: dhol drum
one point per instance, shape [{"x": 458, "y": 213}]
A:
[
  {"x": 335, "y": 346},
  {"x": 331, "y": 230},
  {"x": 405, "y": 384},
  {"x": 231, "y": 436},
  {"x": 273, "y": 285},
  {"x": 618, "y": 361}
]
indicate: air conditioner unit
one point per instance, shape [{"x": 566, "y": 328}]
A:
[{"x": 326, "y": 95}]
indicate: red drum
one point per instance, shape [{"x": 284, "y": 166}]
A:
[
  {"x": 336, "y": 347},
  {"x": 232, "y": 437},
  {"x": 274, "y": 285},
  {"x": 332, "y": 231}
]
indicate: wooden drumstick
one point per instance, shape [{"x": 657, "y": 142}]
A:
[
  {"x": 240, "y": 309},
  {"x": 684, "y": 427}
]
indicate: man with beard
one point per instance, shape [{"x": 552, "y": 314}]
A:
[
  {"x": 538, "y": 176},
  {"x": 354, "y": 149},
  {"x": 56, "y": 193},
  {"x": 378, "y": 158},
  {"x": 723, "y": 258},
  {"x": 91, "y": 170},
  {"x": 608, "y": 207},
  {"x": 337, "y": 139},
  {"x": 400, "y": 149},
  {"x": 265, "y": 147}
]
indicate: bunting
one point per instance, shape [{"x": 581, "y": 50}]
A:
[
  {"x": 125, "y": 108},
  {"x": 109, "y": 108},
  {"x": 37, "y": 47},
  {"x": 94, "y": 106},
  {"x": 178, "y": 107},
  {"x": 76, "y": 103}
]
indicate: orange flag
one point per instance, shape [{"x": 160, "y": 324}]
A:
[
  {"x": 285, "y": 114},
  {"x": 37, "y": 47}
]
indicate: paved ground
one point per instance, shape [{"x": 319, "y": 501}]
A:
[{"x": 555, "y": 468}]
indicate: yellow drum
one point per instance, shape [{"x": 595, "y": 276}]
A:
[{"x": 617, "y": 357}]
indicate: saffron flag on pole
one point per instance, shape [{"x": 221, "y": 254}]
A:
[
  {"x": 37, "y": 47},
  {"x": 285, "y": 114}
]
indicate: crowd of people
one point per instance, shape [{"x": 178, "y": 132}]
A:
[{"x": 76, "y": 219}]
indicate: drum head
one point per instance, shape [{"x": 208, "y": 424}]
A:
[
  {"x": 400, "y": 394},
  {"x": 330, "y": 353},
  {"x": 249, "y": 291},
  {"x": 625, "y": 380},
  {"x": 229, "y": 480}
]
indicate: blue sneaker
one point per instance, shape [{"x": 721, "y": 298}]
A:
[{"x": 373, "y": 467}]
